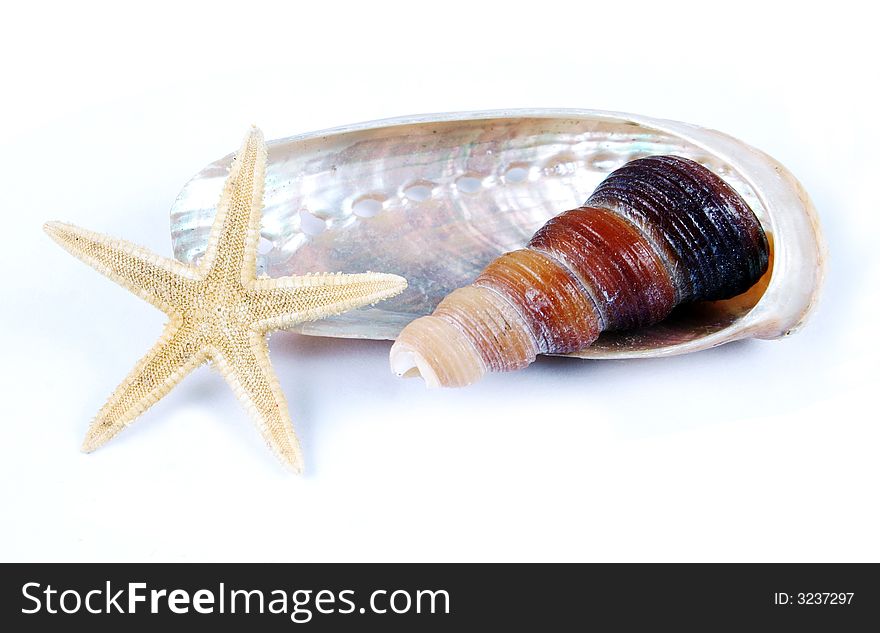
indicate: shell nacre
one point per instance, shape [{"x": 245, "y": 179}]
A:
[{"x": 435, "y": 198}]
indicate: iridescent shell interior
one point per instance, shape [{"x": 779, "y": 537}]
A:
[{"x": 435, "y": 198}]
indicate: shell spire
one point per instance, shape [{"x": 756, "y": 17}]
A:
[{"x": 655, "y": 233}]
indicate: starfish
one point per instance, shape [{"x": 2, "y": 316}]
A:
[{"x": 219, "y": 310}]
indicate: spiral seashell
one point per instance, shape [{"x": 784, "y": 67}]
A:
[{"x": 655, "y": 233}]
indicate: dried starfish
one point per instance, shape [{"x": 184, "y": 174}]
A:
[{"x": 219, "y": 311}]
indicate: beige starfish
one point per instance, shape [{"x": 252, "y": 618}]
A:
[{"x": 219, "y": 311}]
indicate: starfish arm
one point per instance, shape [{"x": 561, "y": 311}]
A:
[
  {"x": 232, "y": 244},
  {"x": 284, "y": 301},
  {"x": 244, "y": 363},
  {"x": 158, "y": 280},
  {"x": 175, "y": 354}
]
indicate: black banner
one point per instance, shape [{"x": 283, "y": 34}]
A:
[{"x": 438, "y": 597}]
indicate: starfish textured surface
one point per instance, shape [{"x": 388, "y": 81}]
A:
[{"x": 219, "y": 311}]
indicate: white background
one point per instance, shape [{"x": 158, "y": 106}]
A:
[{"x": 754, "y": 451}]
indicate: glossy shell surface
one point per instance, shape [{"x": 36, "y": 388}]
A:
[{"x": 435, "y": 198}]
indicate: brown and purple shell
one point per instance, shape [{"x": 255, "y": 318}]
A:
[{"x": 657, "y": 232}]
